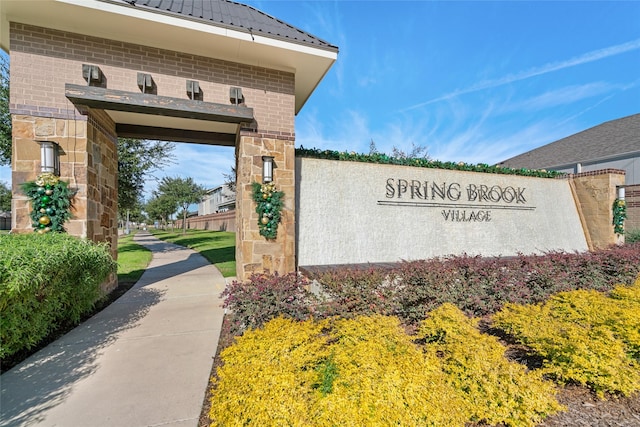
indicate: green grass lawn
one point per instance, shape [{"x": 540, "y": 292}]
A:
[
  {"x": 132, "y": 259},
  {"x": 218, "y": 247}
]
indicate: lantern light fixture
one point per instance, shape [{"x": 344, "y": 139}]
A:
[
  {"x": 49, "y": 157},
  {"x": 267, "y": 169},
  {"x": 621, "y": 192}
]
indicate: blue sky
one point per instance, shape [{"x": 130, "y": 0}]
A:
[{"x": 477, "y": 82}]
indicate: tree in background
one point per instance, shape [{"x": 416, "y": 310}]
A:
[
  {"x": 160, "y": 208},
  {"x": 5, "y": 115},
  {"x": 137, "y": 159},
  {"x": 5, "y": 197},
  {"x": 417, "y": 151},
  {"x": 135, "y": 214},
  {"x": 230, "y": 179},
  {"x": 184, "y": 192}
]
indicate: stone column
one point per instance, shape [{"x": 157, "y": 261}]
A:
[
  {"x": 88, "y": 163},
  {"x": 596, "y": 192},
  {"x": 254, "y": 253}
]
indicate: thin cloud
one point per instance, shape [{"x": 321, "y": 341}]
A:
[
  {"x": 592, "y": 56},
  {"x": 562, "y": 96}
]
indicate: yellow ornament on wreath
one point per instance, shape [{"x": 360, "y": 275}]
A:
[{"x": 44, "y": 220}]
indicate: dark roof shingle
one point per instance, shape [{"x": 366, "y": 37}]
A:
[
  {"x": 616, "y": 137},
  {"x": 233, "y": 15}
]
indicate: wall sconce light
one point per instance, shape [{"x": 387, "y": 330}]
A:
[
  {"x": 621, "y": 192},
  {"x": 267, "y": 169},
  {"x": 49, "y": 157}
]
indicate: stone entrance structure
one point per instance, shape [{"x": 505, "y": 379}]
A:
[{"x": 84, "y": 73}]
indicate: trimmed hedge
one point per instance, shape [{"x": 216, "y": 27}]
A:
[
  {"x": 384, "y": 159},
  {"x": 478, "y": 286},
  {"x": 46, "y": 281}
]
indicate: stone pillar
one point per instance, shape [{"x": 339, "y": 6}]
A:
[
  {"x": 88, "y": 162},
  {"x": 596, "y": 192},
  {"x": 254, "y": 253}
]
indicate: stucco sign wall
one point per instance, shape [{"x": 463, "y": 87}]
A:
[{"x": 349, "y": 212}]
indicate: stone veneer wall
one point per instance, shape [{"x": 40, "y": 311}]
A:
[
  {"x": 596, "y": 192},
  {"x": 255, "y": 254},
  {"x": 632, "y": 197}
]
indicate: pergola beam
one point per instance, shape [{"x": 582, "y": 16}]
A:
[
  {"x": 143, "y": 103},
  {"x": 177, "y": 135}
]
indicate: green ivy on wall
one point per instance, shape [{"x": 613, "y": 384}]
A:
[
  {"x": 51, "y": 202},
  {"x": 269, "y": 208},
  {"x": 619, "y": 215},
  {"x": 423, "y": 163}
]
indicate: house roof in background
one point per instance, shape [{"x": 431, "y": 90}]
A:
[
  {"x": 229, "y": 14},
  {"x": 607, "y": 140}
]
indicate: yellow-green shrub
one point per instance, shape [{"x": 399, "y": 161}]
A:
[
  {"x": 583, "y": 336},
  {"x": 496, "y": 390},
  {"x": 384, "y": 379},
  {"x": 268, "y": 375},
  {"x": 368, "y": 372}
]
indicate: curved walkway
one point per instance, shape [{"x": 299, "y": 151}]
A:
[{"x": 142, "y": 361}]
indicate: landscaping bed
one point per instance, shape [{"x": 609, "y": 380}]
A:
[{"x": 480, "y": 287}]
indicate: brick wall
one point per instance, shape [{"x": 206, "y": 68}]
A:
[
  {"x": 43, "y": 60},
  {"x": 223, "y": 221},
  {"x": 632, "y": 197}
]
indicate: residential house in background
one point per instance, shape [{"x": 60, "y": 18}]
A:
[
  {"x": 611, "y": 145},
  {"x": 216, "y": 200}
]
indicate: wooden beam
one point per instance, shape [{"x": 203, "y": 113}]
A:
[
  {"x": 177, "y": 135},
  {"x": 118, "y": 100}
]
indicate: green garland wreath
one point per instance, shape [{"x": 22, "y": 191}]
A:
[
  {"x": 619, "y": 215},
  {"x": 51, "y": 201},
  {"x": 269, "y": 208}
]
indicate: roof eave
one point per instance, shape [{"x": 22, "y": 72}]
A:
[{"x": 309, "y": 63}]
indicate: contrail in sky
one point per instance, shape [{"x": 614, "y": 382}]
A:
[{"x": 537, "y": 71}]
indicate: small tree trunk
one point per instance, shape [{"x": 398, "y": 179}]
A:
[{"x": 184, "y": 221}]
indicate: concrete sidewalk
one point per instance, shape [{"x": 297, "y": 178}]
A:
[{"x": 143, "y": 361}]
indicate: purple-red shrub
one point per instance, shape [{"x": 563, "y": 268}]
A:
[
  {"x": 477, "y": 285},
  {"x": 264, "y": 297},
  {"x": 353, "y": 292}
]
